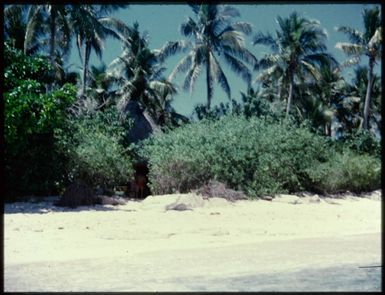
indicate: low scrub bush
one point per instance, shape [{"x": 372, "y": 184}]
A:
[
  {"x": 250, "y": 155},
  {"x": 347, "y": 171},
  {"x": 94, "y": 149},
  {"x": 363, "y": 142}
]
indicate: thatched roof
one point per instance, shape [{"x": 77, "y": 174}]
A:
[{"x": 143, "y": 125}]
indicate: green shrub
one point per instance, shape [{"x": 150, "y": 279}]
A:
[
  {"x": 363, "y": 142},
  {"x": 347, "y": 171},
  {"x": 251, "y": 155},
  {"x": 32, "y": 164},
  {"x": 94, "y": 149}
]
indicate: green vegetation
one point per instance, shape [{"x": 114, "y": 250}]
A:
[
  {"x": 93, "y": 147},
  {"x": 347, "y": 171},
  {"x": 31, "y": 116},
  {"x": 303, "y": 127},
  {"x": 253, "y": 155}
]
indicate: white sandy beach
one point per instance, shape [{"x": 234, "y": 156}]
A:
[{"x": 146, "y": 235}]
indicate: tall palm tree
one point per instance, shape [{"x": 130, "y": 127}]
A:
[
  {"x": 138, "y": 76},
  {"x": 367, "y": 43},
  {"x": 92, "y": 26},
  {"x": 15, "y": 25},
  {"x": 358, "y": 91},
  {"x": 214, "y": 35},
  {"x": 319, "y": 98},
  {"x": 297, "y": 48},
  {"x": 52, "y": 20}
]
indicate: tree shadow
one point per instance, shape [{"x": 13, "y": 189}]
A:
[{"x": 48, "y": 207}]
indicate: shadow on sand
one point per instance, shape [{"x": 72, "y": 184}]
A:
[{"x": 47, "y": 207}]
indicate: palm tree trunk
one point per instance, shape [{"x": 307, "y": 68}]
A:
[
  {"x": 209, "y": 93},
  {"x": 290, "y": 98},
  {"x": 87, "y": 51},
  {"x": 52, "y": 27},
  {"x": 368, "y": 95},
  {"x": 328, "y": 129}
]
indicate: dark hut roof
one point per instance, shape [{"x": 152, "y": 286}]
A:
[{"x": 143, "y": 125}]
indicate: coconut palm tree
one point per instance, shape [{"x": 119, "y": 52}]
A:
[
  {"x": 91, "y": 27},
  {"x": 15, "y": 27},
  {"x": 319, "y": 98},
  {"x": 51, "y": 20},
  {"x": 367, "y": 43},
  {"x": 358, "y": 91},
  {"x": 138, "y": 76},
  {"x": 298, "y": 47},
  {"x": 214, "y": 36}
]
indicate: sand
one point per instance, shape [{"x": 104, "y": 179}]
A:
[{"x": 145, "y": 233}]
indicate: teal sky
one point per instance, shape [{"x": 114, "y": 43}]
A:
[{"x": 162, "y": 21}]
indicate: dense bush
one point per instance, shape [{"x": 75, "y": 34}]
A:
[
  {"x": 256, "y": 156},
  {"x": 363, "y": 142},
  {"x": 249, "y": 155},
  {"x": 93, "y": 146},
  {"x": 32, "y": 165},
  {"x": 347, "y": 171}
]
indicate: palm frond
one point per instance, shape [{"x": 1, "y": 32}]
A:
[
  {"x": 266, "y": 73},
  {"x": 372, "y": 21},
  {"x": 189, "y": 28},
  {"x": 34, "y": 21},
  {"x": 121, "y": 30},
  {"x": 190, "y": 79},
  {"x": 171, "y": 48},
  {"x": 242, "y": 53},
  {"x": 350, "y": 62},
  {"x": 243, "y": 27},
  {"x": 311, "y": 69},
  {"x": 229, "y": 11},
  {"x": 182, "y": 66},
  {"x": 354, "y": 36},
  {"x": 350, "y": 49},
  {"x": 238, "y": 67},
  {"x": 265, "y": 39},
  {"x": 376, "y": 40},
  {"x": 267, "y": 61},
  {"x": 217, "y": 73}
]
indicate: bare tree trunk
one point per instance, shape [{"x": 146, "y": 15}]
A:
[
  {"x": 87, "y": 51},
  {"x": 328, "y": 129},
  {"x": 368, "y": 95},
  {"x": 209, "y": 91},
  {"x": 52, "y": 41},
  {"x": 290, "y": 97}
]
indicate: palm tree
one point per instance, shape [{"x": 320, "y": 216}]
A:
[
  {"x": 358, "y": 91},
  {"x": 297, "y": 48},
  {"x": 367, "y": 43},
  {"x": 319, "y": 98},
  {"x": 91, "y": 26},
  {"x": 15, "y": 24},
  {"x": 50, "y": 19},
  {"x": 138, "y": 76},
  {"x": 214, "y": 35}
]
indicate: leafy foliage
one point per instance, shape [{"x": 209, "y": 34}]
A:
[
  {"x": 93, "y": 146},
  {"x": 249, "y": 155},
  {"x": 347, "y": 171},
  {"x": 138, "y": 75},
  {"x": 215, "y": 35},
  {"x": 363, "y": 142},
  {"x": 31, "y": 116}
]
